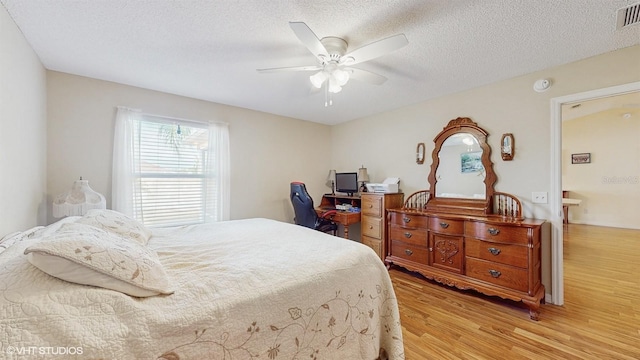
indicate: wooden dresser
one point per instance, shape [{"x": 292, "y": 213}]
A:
[
  {"x": 490, "y": 254},
  {"x": 461, "y": 231},
  {"x": 373, "y": 219}
]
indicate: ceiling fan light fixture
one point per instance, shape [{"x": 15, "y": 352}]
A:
[
  {"x": 318, "y": 78},
  {"x": 341, "y": 76},
  {"x": 334, "y": 85},
  {"x": 335, "y": 77}
]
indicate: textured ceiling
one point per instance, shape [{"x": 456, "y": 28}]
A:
[{"x": 210, "y": 50}]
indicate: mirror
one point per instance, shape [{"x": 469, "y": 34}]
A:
[
  {"x": 461, "y": 178},
  {"x": 460, "y": 173}
]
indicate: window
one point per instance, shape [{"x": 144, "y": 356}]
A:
[{"x": 177, "y": 170}]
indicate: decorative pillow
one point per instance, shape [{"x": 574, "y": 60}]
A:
[
  {"x": 51, "y": 228},
  {"x": 118, "y": 223},
  {"x": 9, "y": 240},
  {"x": 85, "y": 254}
]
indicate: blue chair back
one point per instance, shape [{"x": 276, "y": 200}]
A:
[{"x": 302, "y": 202}]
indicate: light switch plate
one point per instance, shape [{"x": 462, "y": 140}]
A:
[{"x": 539, "y": 197}]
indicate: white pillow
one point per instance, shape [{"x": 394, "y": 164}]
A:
[
  {"x": 38, "y": 231},
  {"x": 118, "y": 223},
  {"x": 51, "y": 228},
  {"x": 9, "y": 240},
  {"x": 85, "y": 254}
]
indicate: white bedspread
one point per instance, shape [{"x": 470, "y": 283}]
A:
[{"x": 245, "y": 289}]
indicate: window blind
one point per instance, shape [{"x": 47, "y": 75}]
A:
[{"x": 171, "y": 182}]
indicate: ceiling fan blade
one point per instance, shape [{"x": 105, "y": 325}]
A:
[
  {"x": 375, "y": 49},
  {"x": 309, "y": 39},
  {"x": 366, "y": 76},
  {"x": 294, "y": 68}
]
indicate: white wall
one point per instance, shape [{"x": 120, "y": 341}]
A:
[
  {"x": 267, "y": 151},
  {"x": 609, "y": 186},
  {"x": 22, "y": 131},
  {"x": 386, "y": 143}
]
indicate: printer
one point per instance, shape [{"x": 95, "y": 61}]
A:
[{"x": 389, "y": 185}]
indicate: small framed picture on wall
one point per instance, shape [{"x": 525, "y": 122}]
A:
[{"x": 582, "y": 158}]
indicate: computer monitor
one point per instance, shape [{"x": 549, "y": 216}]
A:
[{"x": 347, "y": 182}]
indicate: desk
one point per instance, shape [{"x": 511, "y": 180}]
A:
[
  {"x": 345, "y": 218},
  {"x": 566, "y": 202}
]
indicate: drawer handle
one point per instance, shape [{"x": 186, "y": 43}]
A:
[
  {"x": 408, "y": 252},
  {"x": 493, "y": 231},
  {"x": 370, "y": 206},
  {"x": 495, "y": 273},
  {"x": 408, "y": 235},
  {"x": 494, "y": 251},
  {"x": 406, "y": 219},
  {"x": 370, "y": 227},
  {"x": 444, "y": 225}
]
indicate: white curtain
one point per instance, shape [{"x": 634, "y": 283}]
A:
[
  {"x": 122, "y": 173},
  {"x": 218, "y": 173}
]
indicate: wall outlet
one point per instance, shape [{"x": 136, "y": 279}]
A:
[{"x": 539, "y": 197}]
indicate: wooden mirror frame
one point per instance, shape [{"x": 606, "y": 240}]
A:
[{"x": 458, "y": 205}]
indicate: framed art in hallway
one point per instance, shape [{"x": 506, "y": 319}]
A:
[{"x": 581, "y": 158}]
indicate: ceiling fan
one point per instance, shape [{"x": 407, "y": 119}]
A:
[{"x": 333, "y": 68}]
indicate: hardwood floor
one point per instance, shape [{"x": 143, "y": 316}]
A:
[{"x": 599, "y": 320}]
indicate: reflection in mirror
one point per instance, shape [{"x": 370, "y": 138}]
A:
[{"x": 460, "y": 173}]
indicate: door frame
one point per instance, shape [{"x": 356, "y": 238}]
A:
[{"x": 557, "y": 249}]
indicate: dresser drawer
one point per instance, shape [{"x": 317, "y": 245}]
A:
[
  {"x": 414, "y": 221},
  {"x": 408, "y": 235},
  {"x": 446, "y": 226},
  {"x": 371, "y": 205},
  {"x": 375, "y": 244},
  {"x": 403, "y": 250},
  {"x": 372, "y": 227},
  {"x": 508, "y": 254},
  {"x": 501, "y": 233},
  {"x": 504, "y": 275}
]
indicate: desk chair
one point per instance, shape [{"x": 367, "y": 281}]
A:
[{"x": 305, "y": 213}]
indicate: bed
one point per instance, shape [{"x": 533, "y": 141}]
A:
[{"x": 241, "y": 289}]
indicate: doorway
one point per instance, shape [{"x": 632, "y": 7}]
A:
[{"x": 557, "y": 251}]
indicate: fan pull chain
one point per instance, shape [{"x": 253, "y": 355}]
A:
[
  {"x": 326, "y": 95},
  {"x": 328, "y": 98}
]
